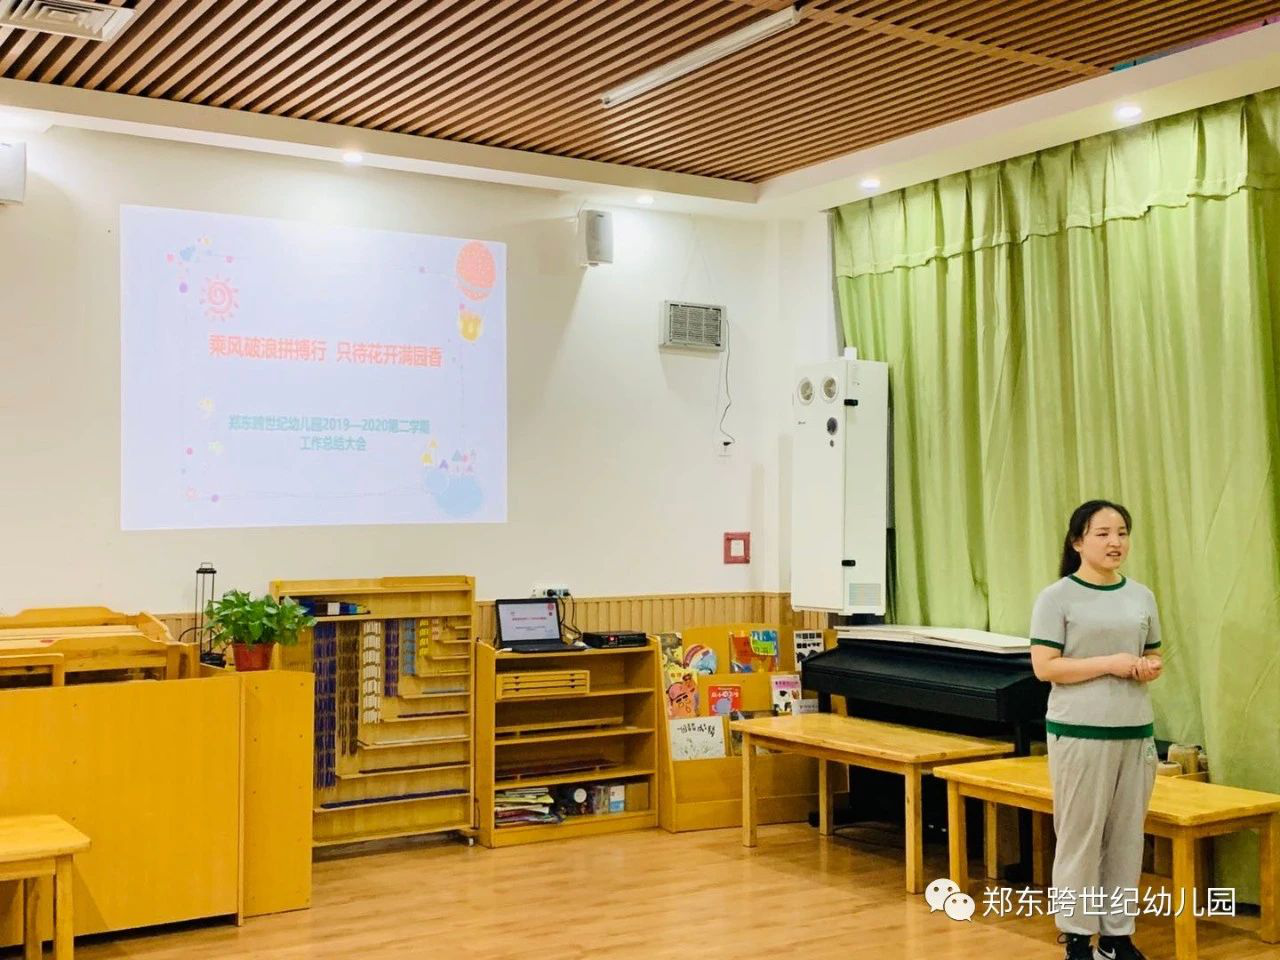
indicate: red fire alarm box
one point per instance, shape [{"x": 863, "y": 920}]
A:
[{"x": 737, "y": 547}]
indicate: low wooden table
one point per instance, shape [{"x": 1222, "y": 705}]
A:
[
  {"x": 1182, "y": 810},
  {"x": 891, "y": 747},
  {"x": 36, "y": 846}
]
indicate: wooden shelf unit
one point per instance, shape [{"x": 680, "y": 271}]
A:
[
  {"x": 706, "y": 794},
  {"x": 612, "y": 728},
  {"x": 394, "y": 698}
]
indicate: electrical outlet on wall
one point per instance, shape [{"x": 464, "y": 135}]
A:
[{"x": 550, "y": 590}]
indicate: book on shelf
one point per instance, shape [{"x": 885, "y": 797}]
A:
[
  {"x": 735, "y": 738},
  {"x": 519, "y": 818},
  {"x": 753, "y": 651},
  {"x": 697, "y": 738},
  {"x": 521, "y": 806},
  {"x": 786, "y": 691},
  {"x": 700, "y": 659},
  {"x": 723, "y": 699},
  {"x": 678, "y": 681},
  {"x": 671, "y": 650},
  {"x": 807, "y": 643}
]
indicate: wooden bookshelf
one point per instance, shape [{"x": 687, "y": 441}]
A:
[
  {"x": 706, "y": 794},
  {"x": 606, "y": 734},
  {"x": 394, "y": 695}
]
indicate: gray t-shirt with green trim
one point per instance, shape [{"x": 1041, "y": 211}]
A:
[{"x": 1085, "y": 620}]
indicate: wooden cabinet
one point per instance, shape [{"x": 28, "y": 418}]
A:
[{"x": 558, "y": 721}]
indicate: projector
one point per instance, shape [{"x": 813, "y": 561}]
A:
[{"x": 609, "y": 640}]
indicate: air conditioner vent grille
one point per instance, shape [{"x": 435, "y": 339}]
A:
[
  {"x": 864, "y": 595},
  {"x": 71, "y": 18},
  {"x": 698, "y": 326}
]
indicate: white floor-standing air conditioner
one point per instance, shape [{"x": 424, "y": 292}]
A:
[{"x": 840, "y": 479}]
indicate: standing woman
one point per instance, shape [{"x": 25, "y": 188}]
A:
[{"x": 1095, "y": 637}]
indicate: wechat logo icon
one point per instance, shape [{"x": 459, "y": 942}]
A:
[{"x": 944, "y": 894}]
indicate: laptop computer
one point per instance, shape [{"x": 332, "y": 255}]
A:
[{"x": 529, "y": 625}]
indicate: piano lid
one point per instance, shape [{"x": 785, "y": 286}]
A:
[{"x": 956, "y": 637}]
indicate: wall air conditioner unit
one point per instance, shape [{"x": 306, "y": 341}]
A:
[
  {"x": 840, "y": 487},
  {"x": 71, "y": 18},
  {"x": 693, "y": 326}
]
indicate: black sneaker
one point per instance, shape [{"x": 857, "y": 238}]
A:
[
  {"x": 1078, "y": 945},
  {"x": 1117, "y": 948}
]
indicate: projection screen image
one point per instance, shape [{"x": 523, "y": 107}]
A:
[{"x": 286, "y": 373}]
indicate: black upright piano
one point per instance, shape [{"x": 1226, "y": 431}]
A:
[{"x": 994, "y": 695}]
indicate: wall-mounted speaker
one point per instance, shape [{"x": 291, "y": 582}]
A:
[
  {"x": 595, "y": 237},
  {"x": 13, "y": 172}
]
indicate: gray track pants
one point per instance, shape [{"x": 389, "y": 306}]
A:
[{"x": 1101, "y": 789}]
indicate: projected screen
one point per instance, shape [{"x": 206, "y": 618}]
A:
[{"x": 276, "y": 372}]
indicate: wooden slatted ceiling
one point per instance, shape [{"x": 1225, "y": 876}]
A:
[{"x": 528, "y": 74}]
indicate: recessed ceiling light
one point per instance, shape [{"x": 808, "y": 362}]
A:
[
  {"x": 1128, "y": 112},
  {"x": 352, "y": 156},
  {"x": 870, "y": 183},
  {"x": 645, "y": 199}
]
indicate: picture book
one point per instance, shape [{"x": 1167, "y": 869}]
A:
[
  {"x": 764, "y": 647},
  {"x": 786, "y": 691},
  {"x": 671, "y": 649},
  {"x": 723, "y": 699},
  {"x": 700, "y": 659},
  {"x": 679, "y": 682},
  {"x": 697, "y": 738},
  {"x": 735, "y": 738},
  {"x": 754, "y": 651},
  {"x": 740, "y": 659},
  {"x": 682, "y": 695},
  {"x": 807, "y": 642}
]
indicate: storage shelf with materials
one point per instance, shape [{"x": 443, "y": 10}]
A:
[
  {"x": 394, "y": 691},
  {"x": 566, "y": 743},
  {"x": 706, "y": 792}
]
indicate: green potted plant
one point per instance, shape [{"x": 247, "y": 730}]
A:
[{"x": 252, "y": 626}]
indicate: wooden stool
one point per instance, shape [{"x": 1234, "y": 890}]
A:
[{"x": 36, "y": 846}]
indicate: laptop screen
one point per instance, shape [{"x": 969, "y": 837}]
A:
[{"x": 525, "y": 620}]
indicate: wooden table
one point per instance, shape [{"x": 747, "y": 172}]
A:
[
  {"x": 36, "y": 846},
  {"x": 891, "y": 747},
  {"x": 1182, "y": 810}
]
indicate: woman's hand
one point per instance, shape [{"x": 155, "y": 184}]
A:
[
  {"x": 1147, "y": 669},
  {"x": 1124, "y": 665}
]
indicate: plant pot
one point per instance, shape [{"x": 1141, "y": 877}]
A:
[{"x": 255, "y": 657}]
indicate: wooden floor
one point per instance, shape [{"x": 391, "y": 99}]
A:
[{"x": 641, "y": 896}]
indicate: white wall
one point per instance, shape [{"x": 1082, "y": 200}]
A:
[{"x": 615, "y": 482}]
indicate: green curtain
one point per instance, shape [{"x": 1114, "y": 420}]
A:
[{"x": 1096, "y": 320}]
